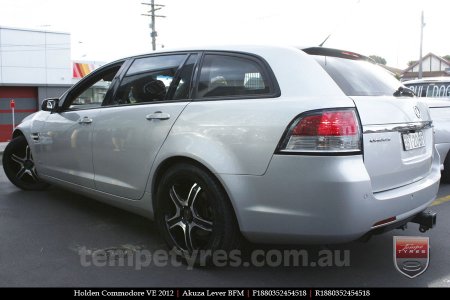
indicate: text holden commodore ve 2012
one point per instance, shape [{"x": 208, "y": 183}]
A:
[{"x": 280, "y": 144}]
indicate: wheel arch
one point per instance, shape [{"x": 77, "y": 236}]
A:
[
  {"x": 445, "y": 175},
  {"x": 17, "y": 132},
  {"x": 174, "y": 160}
]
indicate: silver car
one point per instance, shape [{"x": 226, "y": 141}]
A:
[{"x": 278, "y": 144}]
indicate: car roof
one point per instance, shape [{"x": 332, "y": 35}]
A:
[
  {"x": 428, "y": 80},
  {"x": 258, "y": 49},
  {"x": 235, "y": 48}
]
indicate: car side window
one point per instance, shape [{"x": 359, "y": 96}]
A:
[
  {"x": 93, "y": 91},
  {"x": 226, "y": 75},
  {"x": 148, "y": 79}
]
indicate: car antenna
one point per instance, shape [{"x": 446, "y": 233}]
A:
[
  {"x": 349, "y": 14},
  {"x": 321, "y": 44}
]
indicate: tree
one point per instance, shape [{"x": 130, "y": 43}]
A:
[
  {"x": 378, "y": 59},
  {"x": 446, "y": 57},
  {"x": 411, "y": 62}
]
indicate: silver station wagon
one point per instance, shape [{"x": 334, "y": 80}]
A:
[{"x": 278, "y": 144}]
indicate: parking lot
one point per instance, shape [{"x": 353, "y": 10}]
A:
[{"x": 41, "y": 234}]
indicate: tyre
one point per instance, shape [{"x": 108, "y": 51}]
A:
[
  {"x": 19, "y": 165},
  {"x": 445, "y": 175},
  {"x": 194, "y": 214}
]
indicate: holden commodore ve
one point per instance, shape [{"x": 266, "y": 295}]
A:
[{"x": 278, "y": 144}]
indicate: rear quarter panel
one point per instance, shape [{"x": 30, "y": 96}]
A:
[{"x": 240, "y": 136}]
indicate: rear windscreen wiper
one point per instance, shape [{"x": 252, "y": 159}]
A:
[{"x": 403, "y": 91}]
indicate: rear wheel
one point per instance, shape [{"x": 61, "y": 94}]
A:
[
  {"x": 194, "y": 214},
  {"x": 19, "y": 165}
]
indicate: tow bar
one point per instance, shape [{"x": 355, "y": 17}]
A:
[{"x": 426, "y": 220}]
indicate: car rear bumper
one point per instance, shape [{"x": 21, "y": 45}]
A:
[{"x": 321, "y": 199}]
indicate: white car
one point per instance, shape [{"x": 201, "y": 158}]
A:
[
  {"x": 431, "y": 87},
  {"x": 435, "y": 92},
  {"x": 276, "y": 143}
]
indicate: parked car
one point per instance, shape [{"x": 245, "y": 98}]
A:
[
  {"x": 435, "y": 92},
  {"x": 432, "y": 87},
  {"x": 277, "y": 143}
]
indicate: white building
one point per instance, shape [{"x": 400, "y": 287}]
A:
[
  {"x": 34, "y": 65},
  {"x": 432, "y": 66}
]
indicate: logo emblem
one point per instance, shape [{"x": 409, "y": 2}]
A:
[
  {"x": 417, "y": 112},
  {"x": 411, "y": 255},
  {"x": 380, "y": 140}
]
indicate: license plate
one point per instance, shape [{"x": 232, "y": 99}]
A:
[{"x": 413, "y": 140}]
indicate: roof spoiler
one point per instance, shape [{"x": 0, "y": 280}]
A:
[{"x": 336, "y": 53}]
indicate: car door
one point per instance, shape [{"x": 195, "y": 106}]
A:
[
  {"x": 133, "y": 126},
  {"x": 65, "y": 142}
]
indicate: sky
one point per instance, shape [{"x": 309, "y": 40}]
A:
[{"x": 104, "y": 30}]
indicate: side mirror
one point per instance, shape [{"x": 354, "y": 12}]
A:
[{"x": 50, "y": 104}]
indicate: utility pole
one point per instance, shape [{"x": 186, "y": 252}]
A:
[
  {"x": 422, "y": 25},
  {"x": 151, "y": 13}
]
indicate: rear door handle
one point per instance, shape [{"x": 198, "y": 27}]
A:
[
  {"x": 158, "y": 115},
  {"x": 85, "y": 120}
]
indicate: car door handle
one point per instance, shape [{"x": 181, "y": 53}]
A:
[
  {"x": 159, "y": 115},
  {"x": 85, "y": 120}
]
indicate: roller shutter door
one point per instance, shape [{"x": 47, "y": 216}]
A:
[{"x": 26, "y": 104}]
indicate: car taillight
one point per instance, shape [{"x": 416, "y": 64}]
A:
[{"x": 324, "y": 131}]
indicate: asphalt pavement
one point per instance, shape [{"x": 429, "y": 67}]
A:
[{"x": 44, "y": 237}]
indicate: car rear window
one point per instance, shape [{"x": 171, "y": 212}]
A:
[
  {"x": 359, "y": 77},
  {"x": 430, "y": 89}
]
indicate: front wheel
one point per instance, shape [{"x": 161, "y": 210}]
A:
[
  {"x": 194, "y": 214},
  {"x": 19, "y": 166}
]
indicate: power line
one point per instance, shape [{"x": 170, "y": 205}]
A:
[{"x": 151, "y": 13}]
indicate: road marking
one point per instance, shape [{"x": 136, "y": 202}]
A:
[{"x": 441, "y": 200}]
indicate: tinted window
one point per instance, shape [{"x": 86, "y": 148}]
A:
[
  {"x": 430, "y": 89},
  {"x": 155, "y": 63},
  {"x": 223, "y": 75},
  {"x": 359, "y": 77},
  {"x": 93, "y": 90},
  {"x": 148, "y": 79}
]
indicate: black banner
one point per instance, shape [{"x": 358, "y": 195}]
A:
[{"x": 307, "y": 293}]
